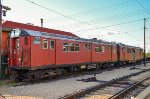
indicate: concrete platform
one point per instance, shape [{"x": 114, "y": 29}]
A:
[{"x": 145, "y": 94}]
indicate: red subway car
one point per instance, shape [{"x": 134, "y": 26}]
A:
[{"x": 35, "y": 54}]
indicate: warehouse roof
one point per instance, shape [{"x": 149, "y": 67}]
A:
[{"x": 12, "y": 25}]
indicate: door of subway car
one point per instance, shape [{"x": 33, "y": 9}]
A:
[{"x": 14, "y": 49}]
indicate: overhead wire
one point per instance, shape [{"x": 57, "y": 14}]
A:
[
  {"x": 110, "y": 18},
  {"x": 103, "y": 9},
  {"x": 56, "y": 12},
  {"x": 63, "y": 15},
  {"x": 111, "y": 25},
  {"x": 144, "y": 9},
  {"x": 96, "y": 27}
]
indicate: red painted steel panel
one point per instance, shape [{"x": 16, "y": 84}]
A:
[
  {"x": 114, "y": 53},
  {"x": 40, "y": 56},
  {"x": 101, "y": 56},
  {"x": 71, "y": 57}
]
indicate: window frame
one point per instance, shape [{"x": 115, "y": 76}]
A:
[
  {"x": 71, "y": 45},
  {"x": 45, "y": 40},
  {"x": 98, "y": 49},
  {"x": 17, "y": 43},
  {"x": 103, "y": 48},
  {"x": 75, "y": 46},
  {"x": 51, "y": 45},
  {"x": 87, "y": 47},
  {"x": 64, "y": 45},
  {"x": 25, "y": 40},
  {"x": 115, "y": 49}
]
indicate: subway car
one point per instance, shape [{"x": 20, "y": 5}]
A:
[{"x": 36, "y": 54}]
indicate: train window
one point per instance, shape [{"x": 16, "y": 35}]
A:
[
  {"x": 71, "y": 47},
  {"x": 87, "y": 47},
  {"x": 98, "y": 49},
  {"x": 103, "y": 49},
  {"x": 17, "y": 43},
  {"x": 128, "y": 50},
  {"x": 25, "y": 40},
  {"x": 122, "y": 48},
  {"x": 114, "y": 49},
  {"x": 52, "y": 44},
  {"x": 109, "y": 48},
  {"x": 65, "y": 47},
  {"x": 77, "y": 48},
  {"x": 45, "y": 44}
]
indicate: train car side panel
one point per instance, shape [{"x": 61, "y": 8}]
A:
[{"x": 71, "y": 52}]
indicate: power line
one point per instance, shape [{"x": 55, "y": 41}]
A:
[
  {"x": 62, "y": 14},
  {"x": 111, "y": 18},
  {"x": 111, "y": 25},
  {"x": 144, "y": 9},
  {"x": 104, "y": 27},
  {"x": 57, "y": 12},
  {"x": 119, "y": 6},
  {"x": 103, "y": 9}
]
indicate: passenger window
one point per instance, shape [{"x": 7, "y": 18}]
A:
[
  {"x": 45, "y": 44},
  {"x": 98, "y": 49},
  {"x": 52, "y": 44},
  {"x": 87, "y": 47},
  {"x": 128, "y": 50},
  {"x": 77, "y": 47},
  {"x": 122, "y": 48},
  {"x": 114, "y": 49},
  {"x": 71, "y": 47},
  {"x": 17, "y": 43},
  {"x": 103, "y": 49},
  {"x": 109, "y": 48},
  {"x": 25, "y": 40},
  {"x": 65, "y": 47}
]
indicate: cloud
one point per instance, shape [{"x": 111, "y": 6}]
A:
[{"x": 110, "y": 33}]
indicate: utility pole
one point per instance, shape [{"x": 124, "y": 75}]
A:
[
  {"x": 144, "y": 42},
  {"x": 3, "y": 10}
]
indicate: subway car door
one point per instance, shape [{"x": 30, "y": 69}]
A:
[
  {"x": 16, "y": 51},
  {"x": 52, "y": 51}
]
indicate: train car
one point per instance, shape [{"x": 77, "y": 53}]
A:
[
  {"x": 129, "y": 54},
  {"x": 36, "y": 54},
  {"x": 39, "y": 54},
  {"x": 104, "y": 53},
  {"x": 139, "y": 54}
]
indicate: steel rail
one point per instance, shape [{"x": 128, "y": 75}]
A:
[
  {"x": 97, "y": 87},
  {"x": 124, "y": 91}
]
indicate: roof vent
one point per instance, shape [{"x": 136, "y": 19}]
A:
[
  {"x": 30, "y": 24},
  {"x": 94, "y": 38}
]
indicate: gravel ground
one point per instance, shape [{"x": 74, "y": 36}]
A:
[
  {"x": 140, "y": 77},
  {"x": 54, "y": 89}
]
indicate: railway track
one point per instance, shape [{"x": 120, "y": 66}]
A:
[{"x": 114, "y": 89}]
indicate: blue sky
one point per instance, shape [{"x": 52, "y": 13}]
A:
[{"x": 111, "y": 20}]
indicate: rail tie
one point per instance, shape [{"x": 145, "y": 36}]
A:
[
  {"x": 122, "y": 92},
  {"x": 97, "y": 87}
]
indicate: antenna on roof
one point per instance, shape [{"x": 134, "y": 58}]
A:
[{"x": 41, "y": 22}]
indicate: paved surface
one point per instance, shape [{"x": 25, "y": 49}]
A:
[
  {"x": 54, "y": 89},
  {"x": 144, "y": 94}
]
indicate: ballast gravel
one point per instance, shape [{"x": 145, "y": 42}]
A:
[{"x": 55, "y": 89}]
